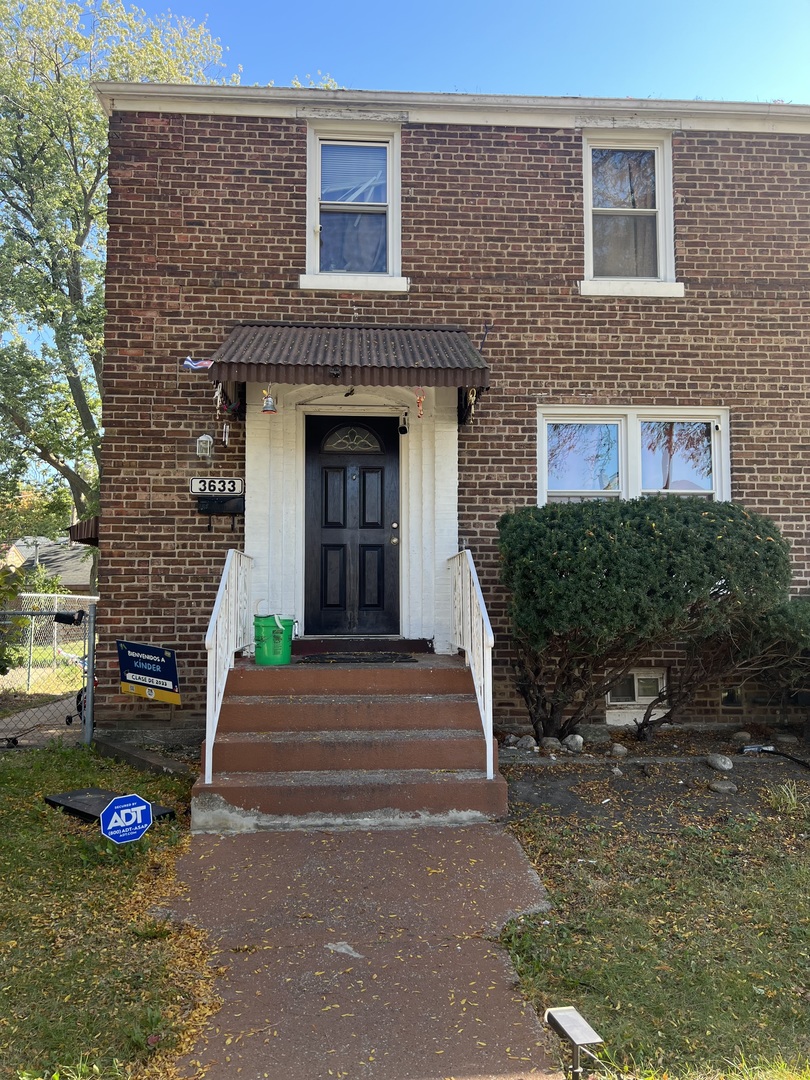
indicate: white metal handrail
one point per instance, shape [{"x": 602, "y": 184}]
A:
[
  {"x": 228, "y": 631},
  {"x": 472, "y": 633}
]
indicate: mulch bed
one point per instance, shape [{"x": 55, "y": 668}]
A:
[{"x": 661, "y": 785}]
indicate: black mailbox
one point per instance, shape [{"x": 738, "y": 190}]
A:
[{"x": 221, "y": 504}]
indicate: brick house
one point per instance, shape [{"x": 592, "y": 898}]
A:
[{"x": 485, "y": 294}]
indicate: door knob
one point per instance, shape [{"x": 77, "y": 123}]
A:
[{"x": 395, "y": 540}]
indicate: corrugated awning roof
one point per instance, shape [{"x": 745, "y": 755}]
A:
[
  {"x": 349, "y": 354},
  {"x": 85, "y": 532}
]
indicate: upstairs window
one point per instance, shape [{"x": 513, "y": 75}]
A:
[
  {"x": 625, "y": 453},
  {"x": 629, "y": 248},
  {"x": 353, "y": 209},
  {"x": 624, "y": 223}
]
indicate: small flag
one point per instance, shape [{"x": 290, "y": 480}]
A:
[{"x": 196, "y": 365}]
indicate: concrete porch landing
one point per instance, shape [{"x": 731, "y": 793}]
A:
[{"x": 352, "y": 954}]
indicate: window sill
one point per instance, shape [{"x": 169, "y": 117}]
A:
[
  {"x": 627, "y": 287},
  {"x": 354, "y": 283}
]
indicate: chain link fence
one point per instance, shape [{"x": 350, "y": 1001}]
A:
[{"x": 42, "y": 690}]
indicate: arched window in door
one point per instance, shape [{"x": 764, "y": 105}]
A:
[{"x": 352, "y": 439}]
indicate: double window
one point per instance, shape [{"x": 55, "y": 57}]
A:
[
  {"x": 629, "y": 247},
  {"x": 625, "y": 453},
  {"x": 353, "y": 211}
]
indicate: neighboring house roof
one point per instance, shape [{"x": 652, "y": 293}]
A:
[
  {"x": 350, "y": 353},
  {"x": 72, "y": 565}
]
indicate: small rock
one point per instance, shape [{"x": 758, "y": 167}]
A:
[
  {"x": 550, "y": 743},
  {"x": 617, "y": 750},
  {"x": 526, "y": 742},
  {"x": 723, "y": 787},
  {"x": 741, "y": 737},
  {"x": 510, "y": 740},
  {"x": 719, "y": 762},
  {"x": 617, "y": 771},
  {"x": 786, "y": 739},
  {"x": 574, "y": 743}
]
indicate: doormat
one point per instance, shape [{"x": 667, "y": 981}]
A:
[{"x": 357, "y": 658}]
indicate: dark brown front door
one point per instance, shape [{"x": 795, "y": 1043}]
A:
[{"x": 352, "y": 526}]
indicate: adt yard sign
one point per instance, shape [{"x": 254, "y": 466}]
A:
[{"x": 125, "y": 819}]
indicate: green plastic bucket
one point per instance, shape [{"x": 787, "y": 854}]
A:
[{"x": 273, "y": 639}]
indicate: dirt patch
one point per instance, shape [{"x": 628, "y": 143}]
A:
[{"x": 661, "y": 785}]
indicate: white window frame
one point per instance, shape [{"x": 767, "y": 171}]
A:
[
  {"x": 358, "y": 134},
  {"x": 665, "y": 284},
  {"x": 629, "y": 421}
]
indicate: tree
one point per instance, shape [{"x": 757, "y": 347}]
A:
[
  {"x": 34, "y": 510},
  {"x": 53, "y": 191},
  {"x": 10, "y": 626},
  {"x": 597, "y": 587}
]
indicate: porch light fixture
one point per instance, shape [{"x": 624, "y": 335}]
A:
[
  {"x": 268, "y": 404},
  {"x": 205, "y": 446},
  {"x": 575, "y": 1029}
]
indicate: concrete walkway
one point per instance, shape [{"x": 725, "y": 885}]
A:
[{"x": 353, "y": 954}]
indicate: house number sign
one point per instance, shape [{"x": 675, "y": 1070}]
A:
[{"x": 217, "y": 485}]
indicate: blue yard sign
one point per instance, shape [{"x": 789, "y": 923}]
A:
[
  {"x": 148, "y": 671},
  {"x": 125, "y": 819}
]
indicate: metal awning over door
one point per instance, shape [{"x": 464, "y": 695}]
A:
[{"x": 349, "y": 354}]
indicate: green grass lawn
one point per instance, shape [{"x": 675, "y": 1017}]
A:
[
  {"x": 686, "y": 946},
  {"x": 688, "y": 949},
  {"x": 89, "y": 977},
  {"x": 47, "y": 680}
]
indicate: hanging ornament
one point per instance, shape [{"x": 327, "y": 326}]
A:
[
  {"x": 268, "y": 404},
  {"x": 420, "y": 400}
]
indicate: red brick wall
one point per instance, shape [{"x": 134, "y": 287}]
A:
[{"x": 207, "y": 226}]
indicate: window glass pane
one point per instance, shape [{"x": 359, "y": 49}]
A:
[
  {"x": 353, "y": 173},
  {"x": 625, "y": 245},
  {"x": 583, "y": 457},
  {"x": 624, "y": 690},
  {"x": 354, "y": 241},
  {"x": 676, "y": 456},
  {"x": 352, "y": 440},
  {"x": 648, "y": 687},
  {"x": 623, "y": 179}
]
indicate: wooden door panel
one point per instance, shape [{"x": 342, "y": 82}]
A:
[
  {"x": 352, "y": 503},
  {"x": 372, "y": 576},
  {"x": 333, "y": 577},
  {"x": 371, "y": 498},
  {"x": 333, "y": 484}
]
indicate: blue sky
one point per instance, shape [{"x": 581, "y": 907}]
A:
[{"x": 726, "y": 50}]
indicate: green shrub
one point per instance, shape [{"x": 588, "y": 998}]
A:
[
  {"x": 598, "y": 586},
  {"x": 10, "y": 628}
]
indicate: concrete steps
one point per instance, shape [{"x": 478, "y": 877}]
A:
[{"x": 340, "y": 743}]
